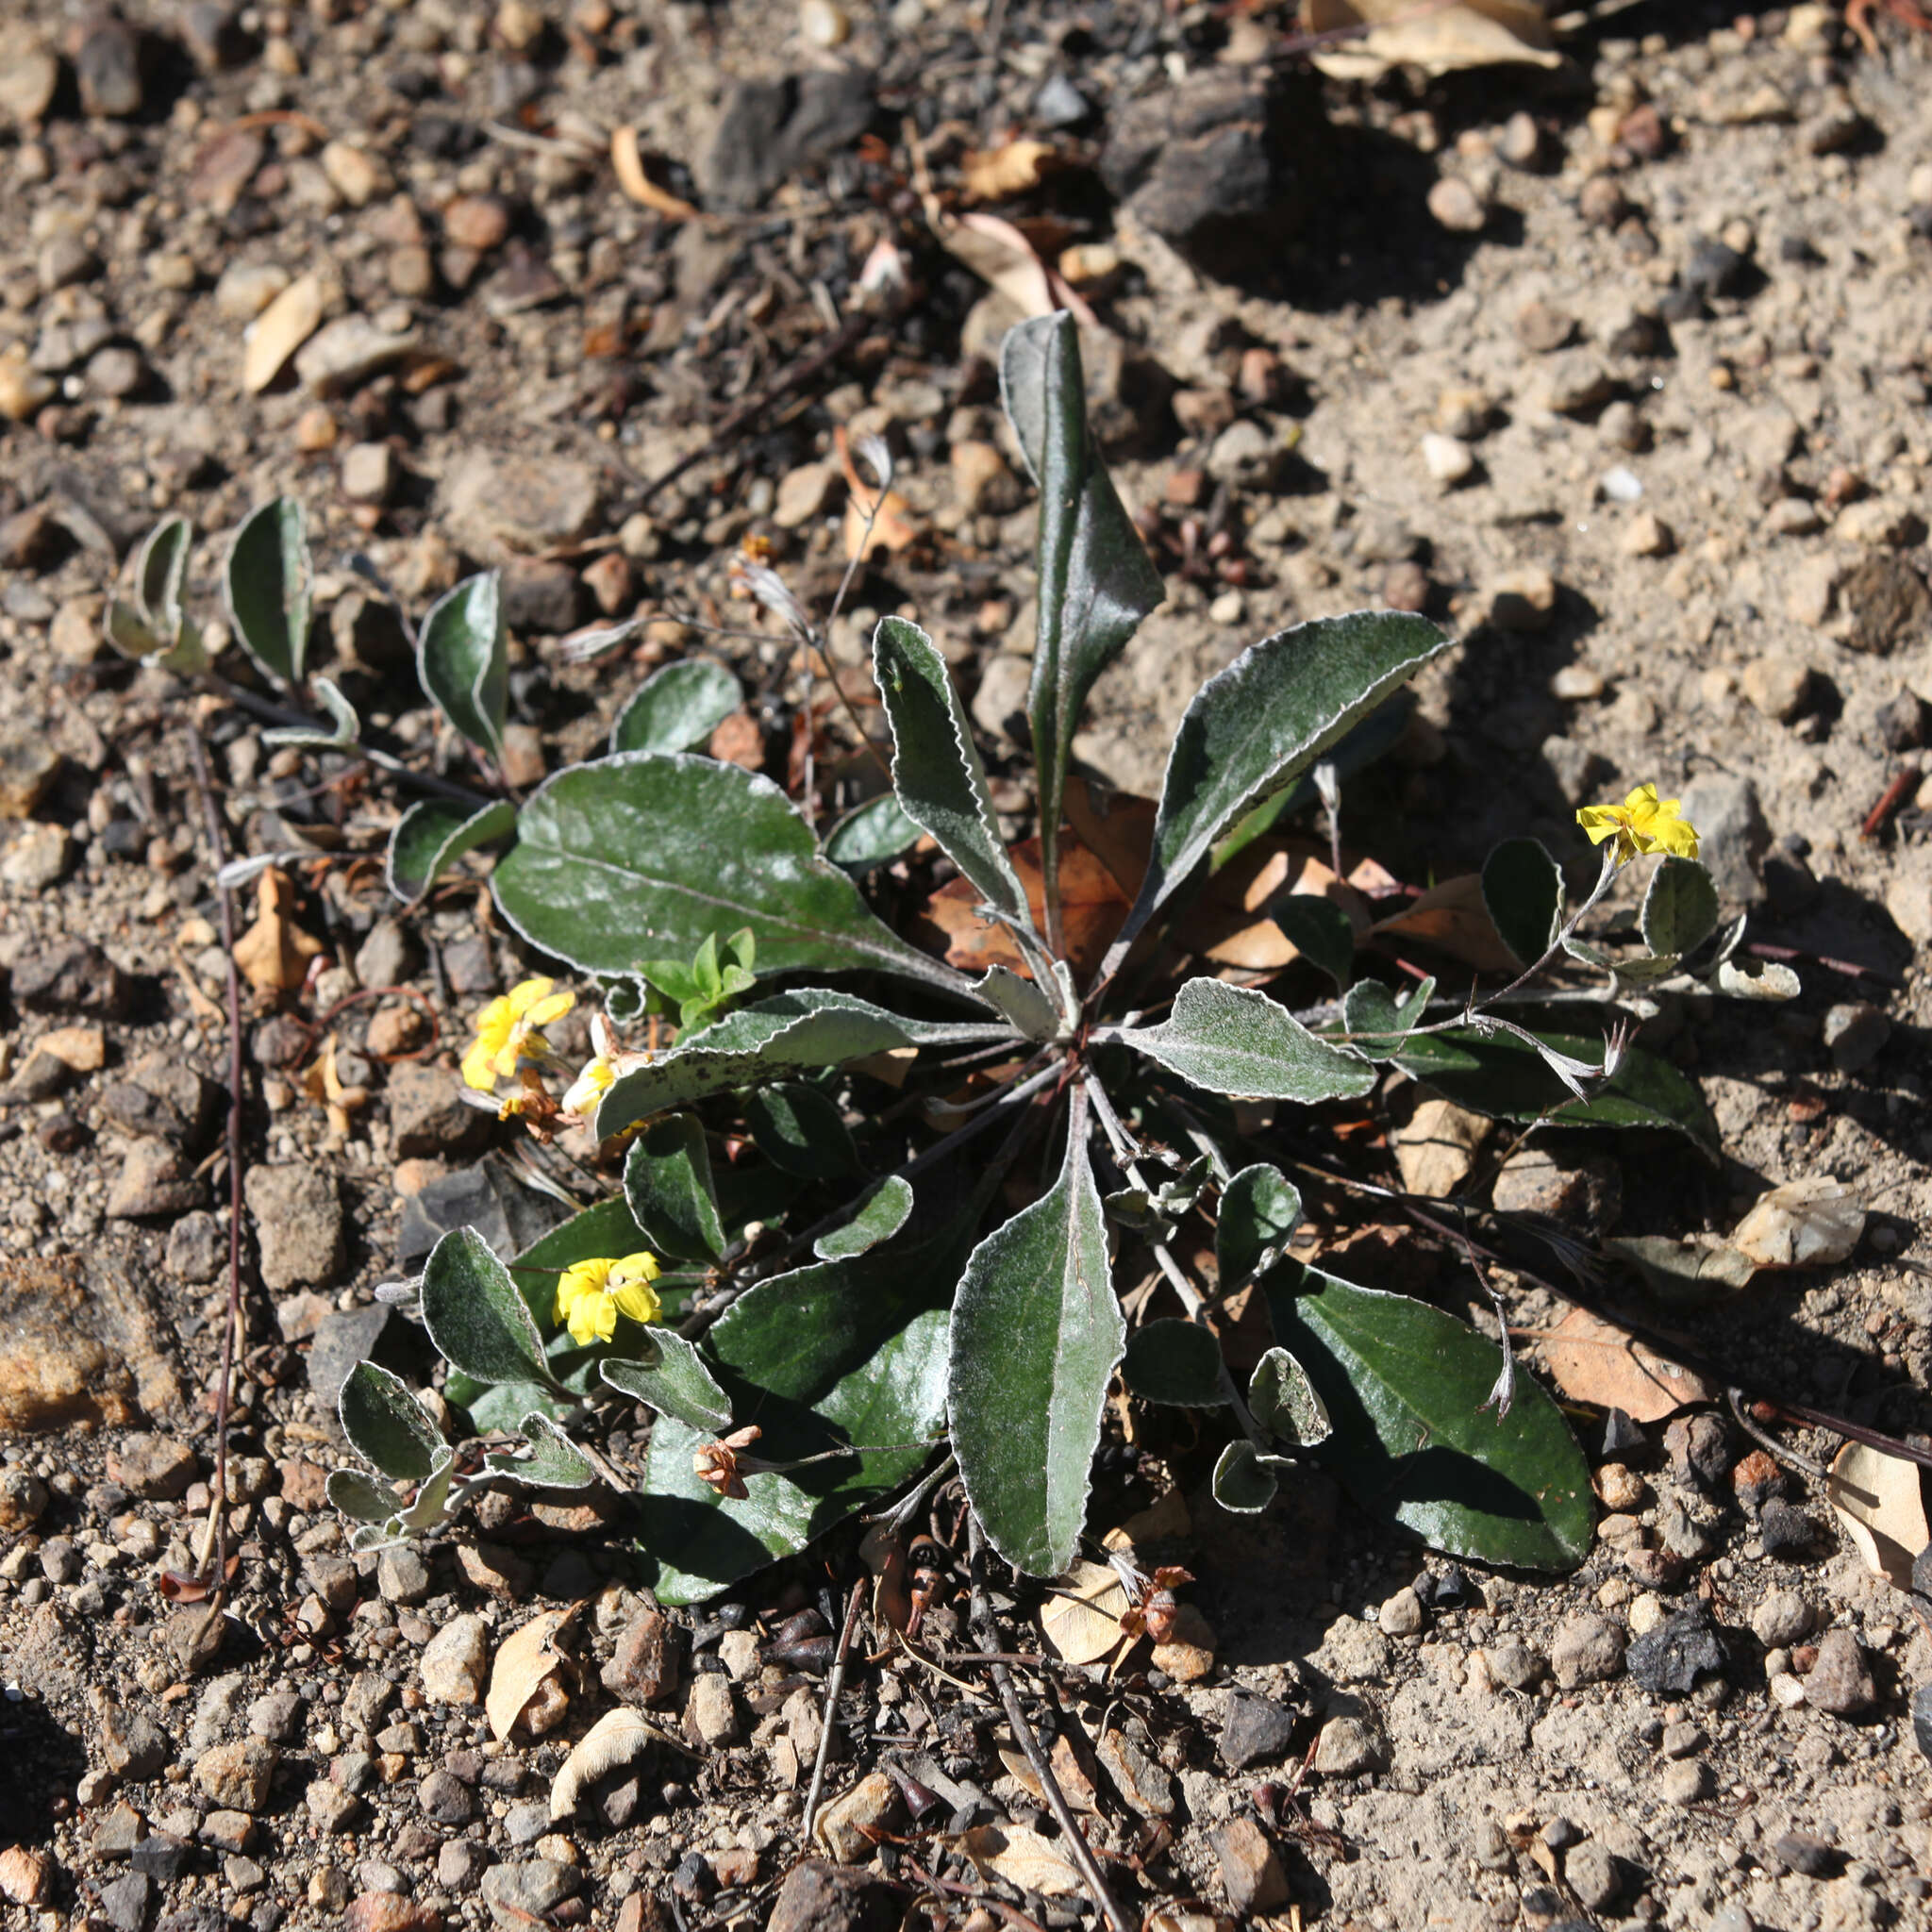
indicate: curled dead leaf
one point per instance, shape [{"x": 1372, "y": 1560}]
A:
[
  {"x": 1453, "y": 918},
  {"x": 1880, "y": 1499},
  {"x": 627, "y": 159},
  {"x": 1440, "y": 38},
  {"x": 273, "y": 953},
  {"x": 618, "y": 1738},
  {"x": 528, "y": 1666},
  {"x": 1017, "y": 168},
  {"x": 873, "y": 522}
]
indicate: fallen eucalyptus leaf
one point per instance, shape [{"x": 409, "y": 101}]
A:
[
  {"x": 1595, "y": 1361},
  {"x": 1880, "y": 1499},
  {"x": 1022, "y": 1857},
  {"x": 1081, "y": 1616}
]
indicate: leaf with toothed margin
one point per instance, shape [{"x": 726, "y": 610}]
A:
[
  {"x": 386, "y": 1423},
  {"x": 672, "y": 1379},
  {"x": 361, "y": 1496},
  {"x": 555, "y": 1462},
  {"x": 1234, "y": 1039},
  {"x": 475, "y": 1315},
  {"x": 668, "y": 1185},
  {"x": 648, "y": 853},
  {"x": 1263, "y": 721},
  {"x": 937, "y": 774}
]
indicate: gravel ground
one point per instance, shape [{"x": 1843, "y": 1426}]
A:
[{"x": 1620, "y": 371}]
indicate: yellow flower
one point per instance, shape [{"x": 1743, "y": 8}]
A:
[
  {"x": 591, "y": 1086},
  {"x": 1644, "y": 822},
  {"x": 509, "y": 1027},
  {"x": 592, "y": 1294}
]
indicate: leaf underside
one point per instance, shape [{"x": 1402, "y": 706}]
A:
[{"x": 1234, "y": 1039}]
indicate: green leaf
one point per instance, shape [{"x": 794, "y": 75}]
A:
[
  {"x": 649, "y": 851},
  {"x": 1377, "y": 1023},
  {"x": 386, "y": 1423},
  {"x": 1404, "y": 1385},
  {"x": 1523, "y": 889},
  {"x": 800, "y": 1130},
  {"x": 881, "y": 1216},
  {"x": 1283, "y": 1400},
  {"x": 1260, "y": 1211},
  {"x": 677, "y": 707},
  {"x": 431, "y": 1501},
  {"x": 936, "y": 770},
  {"x": 269, "y": 585},
  {"x": 838, "y": 1356},
  {"x": 1096, "y": 582},
  {"x": 462, "y": 659},
  {"x": 1319, "y": 930},
  {"x": 1263, "y": 721},
  {"x": 671, "y": 1196},
  {"x": 1023, "y": 1001},
  {"x": 1503, "y": 1077},
  {"x": 673, "y": 1380},
  {"x": 345, "y": 727},
  {"x": 1036, "y": 1333},
  {"x": 499, "y": 1408},
  {"x": 1243, "y": 1482},
  {"x": 130, "y": 632},
  {"x": 475, "y": 1315},
  {"x": 1233, "y": 1040},
  {"x": 160, "y": 572},
  {"x": 1680, "y": 907},
  {"x": 1757, "y": 979},
  {"x": 1176, "y": 1363},
  {"x": 870, "y": 834},
  {"x": 360, "y": 1496},
  {"x": 555, "y": 1462},
  {"x": 810, "y": 1027},
  {"x": 431, "y": 836}
]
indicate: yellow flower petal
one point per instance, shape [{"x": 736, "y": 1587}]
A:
[
  {"x": 639, "y": 1300},
  {"x": 593, "y": 1318},
  {"x": 527, "y": 993},
  {"x": 555, "y": 1008},
  {"x": 479, "y": 1068}
]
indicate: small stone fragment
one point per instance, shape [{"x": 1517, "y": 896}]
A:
[
  {"x": 1257, "y": 1730},
  {"x": 454, "y": 1662},
  {"x": 1250, "y": 1871},
  {"x": 279, "y": 330},
  {"x": 1814, "y": 1223},
  {"x": 1456, "y": 205},
  {"x": 1522, "y": 600},
  {"x": 1840, "y": 1679},
  {"x": 1348, "y": 1747},
  {"x": 1668, "y": 1661},
  {"x": 1587, "y": 1649},
  {"x": 297, "y": 1212},
  {"x": 237, "y": 1775}
]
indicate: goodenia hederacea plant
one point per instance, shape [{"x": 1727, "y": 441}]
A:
[{"x": 866, "y": 1226}]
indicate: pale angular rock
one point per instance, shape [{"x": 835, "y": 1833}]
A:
[{"x": 1805, "y": 1224}]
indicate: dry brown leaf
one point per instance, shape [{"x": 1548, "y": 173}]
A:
[
  {"x": 1092, "y": 908},
  {"x": 1116, "y": 826},
  {"x": 619, "y": 1737},
  {"x": 1880, "y": 1499},
  {"x": 275, "y": 952},
  {"x": 1435, "y": 1153},
  {"x": 1594, "y": 1360},
  {"x": 1437, "y": 37},
  {"x": 1228, "y": 923},
  {"x": 524, "y": 1665},
  {"x": 1023, "y": 1857},
  {"x": 1452, "y": 918},
  {"x": 1017, "y": 168},
  {"x": 890, "y": 528},
  {"x": 882, "y": 1550},
  {"x": 627, "y": 159},
  {"x": 1081, "y": 1616}
]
